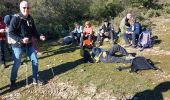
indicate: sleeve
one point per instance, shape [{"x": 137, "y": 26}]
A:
[
  {"x": 13, "y": 29},
  {"x": 74, "y": 31},
  {"x": 81, "y": 29},
  {"x": 137, "y": 28},
  {"x": 34, "y": 29},
  {"x": 111, "y": 27}
]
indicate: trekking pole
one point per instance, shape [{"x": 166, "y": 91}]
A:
[{"x": 26, "y": 65}]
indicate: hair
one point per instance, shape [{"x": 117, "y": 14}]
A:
[
  {"x": 76, "y": 23},
  {"x": 88, "y": 23},
  {"x": 24, "y": 2},
  {"x": 132, "y": 20}
]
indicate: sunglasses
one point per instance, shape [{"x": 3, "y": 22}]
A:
[{"x": 25, "y": 7}]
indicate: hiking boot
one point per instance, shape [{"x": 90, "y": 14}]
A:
[
  {"x": 38, "y": 82},
  {"x": 13, "y": 85},
  {"x": 129, "y": 57}
]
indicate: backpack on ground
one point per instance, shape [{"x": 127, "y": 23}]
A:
[
  {"x": 141, "y": 63},
  {"x": 145, "y": 39},
  {"x": 68, "y": 40}
]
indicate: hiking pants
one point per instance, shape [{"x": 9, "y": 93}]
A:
[
  {"x": 111, "y": 58},
  {"x": 102, "y": 36},
  {"x": 17, "y": 52},
  {"x": 117, "y": 48},
  {"x": 128, "y": 37},
  {"x": 2, "y": 51}
]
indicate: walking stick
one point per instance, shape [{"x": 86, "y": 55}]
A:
[{"x": 26, "y": 65}]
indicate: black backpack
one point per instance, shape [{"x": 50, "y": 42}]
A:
[{"x": 141, "y": 63}]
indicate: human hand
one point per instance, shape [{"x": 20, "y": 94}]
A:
[
  {"x": 2, "y": 30},
  {"x": 42, "y": 37},
  {"x": 25, "y": 40}
]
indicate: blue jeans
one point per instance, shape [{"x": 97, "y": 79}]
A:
[
  {"x": 17, "y": 52},
  {"x": 128, "y": 37}
]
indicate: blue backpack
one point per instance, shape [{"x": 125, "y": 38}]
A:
[{"x": 145, "y": 39}]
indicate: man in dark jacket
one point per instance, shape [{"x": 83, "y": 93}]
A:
[
  {"x": 22, "y": 29},
  {"x": 105, "y": 31},
  {"x": 133, "y": 32}
]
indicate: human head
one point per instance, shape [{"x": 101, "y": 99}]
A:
[
  {"x": 106, "y": 21},
  {"x": 132, "y": 20},
  {"x": 24, "y": 8},
  {"x": 129, "y": 15},
  {"x": 87, "y": 24},
  {"x": 76, "y": 24}
]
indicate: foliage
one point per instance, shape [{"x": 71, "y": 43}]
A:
[{"x": 56, "y": 17}]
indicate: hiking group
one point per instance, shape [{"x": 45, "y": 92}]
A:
[{"x": 18, "y": 33}]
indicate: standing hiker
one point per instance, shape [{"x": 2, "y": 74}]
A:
[{"x": 21, "y": 28}]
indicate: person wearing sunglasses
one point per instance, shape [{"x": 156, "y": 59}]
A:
[{"x": 22, "y": 29}]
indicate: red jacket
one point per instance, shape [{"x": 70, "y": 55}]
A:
[{"x": 2, "y": 35}]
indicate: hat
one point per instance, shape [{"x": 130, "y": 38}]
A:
[{"x": 106, "y": 20}]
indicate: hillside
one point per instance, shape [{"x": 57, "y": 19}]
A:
[{"x": 68, "y": 78}]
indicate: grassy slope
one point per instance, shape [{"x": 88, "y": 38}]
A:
[{"x": 68, "y": 67}]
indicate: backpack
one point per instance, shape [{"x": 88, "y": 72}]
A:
[
  {"x": 7, "y": 20},
  {"x": 145, "y": 39},
  {"x": 85, "y": 53},
  {"x": 68, "y": 40},
  {"x": 141, "y": 63}
]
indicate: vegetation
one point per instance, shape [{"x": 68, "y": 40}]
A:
[
  {"x": 56, "y": 17},
  {"x": 96, "y": 81}
]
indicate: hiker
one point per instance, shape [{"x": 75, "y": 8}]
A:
[
  {"x": 76, "y": 33},
  {"x": 124, "y": 24},
  {"x": 132, "y": 33},
  {"x": 2, "y": 42},
  {"x": 87, "y": 33},
  {"x": 21, "y": 28},
  {"x": 109, "y": 56},
  {"x": 105, "y": 31}
]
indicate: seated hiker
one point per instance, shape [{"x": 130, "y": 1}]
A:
[
  {"x": 133, "y": 33},
  {"x": 124, "y": 23},
  {"x": 105, "y": 31},
  {"x": 76, "y": 33},
  {"x": 87, "y": 33},
  {"x": 109, "y": 56}
]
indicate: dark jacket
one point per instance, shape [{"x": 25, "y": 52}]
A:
[
  {"x": 109, "y": 28},
  {"x": 136, "y": 28},
  {"x": 21, "y": 27}
]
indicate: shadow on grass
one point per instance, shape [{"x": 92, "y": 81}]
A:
[
  {"x": 155, "y": 94},
  {"x": 45, "y": 75},
  {"x": 64, "y": 49}
]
